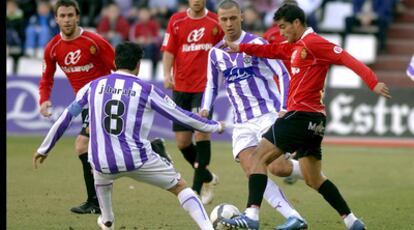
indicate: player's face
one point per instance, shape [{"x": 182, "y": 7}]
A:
[
  {"x": 289, "y": 30},
  {"x": 197, "y": 5},
  {"x": 230, "y": 22},
  {"x": 67, "y": 19}
]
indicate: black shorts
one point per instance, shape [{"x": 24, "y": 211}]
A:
[
  {"x": 299, "y": 131},
  {"x": 190, "y": 102},
  {"x": 85, "y": 123}
]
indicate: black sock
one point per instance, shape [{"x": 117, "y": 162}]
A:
[
  {"x": 257, "y": 186},
  {"x": 203, "y": 159},
  {"x": 190, "y": 154},
  {"x": 331, "y": 194},
  {"x": 201, "y": 173},
  {"x": 88, "y": 177}
]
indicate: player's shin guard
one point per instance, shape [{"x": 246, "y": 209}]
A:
[
  {"x": 257, "y": 186},
  {"x": 192, "y": 204},
  {"x": 88, "y": 177},
  {"x": 331, "y": 194}
]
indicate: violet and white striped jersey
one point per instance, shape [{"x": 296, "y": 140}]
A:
[
  {"x": 249, "y": 81},
  {"x": 121, "y": 112}
]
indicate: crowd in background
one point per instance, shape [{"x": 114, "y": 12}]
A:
[{"x": 30, "y": 24}]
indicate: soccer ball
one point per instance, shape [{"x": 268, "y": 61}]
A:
[{"x": 223, "y": 210}]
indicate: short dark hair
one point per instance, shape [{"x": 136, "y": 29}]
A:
[
  {"x": 127, "y": 55},
  {"x": 67, "y": 3},
  {"x": 289, "y": 13},
  {"x": 228, "y": 4}
]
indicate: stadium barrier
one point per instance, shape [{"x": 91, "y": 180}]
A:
[{"x": 354, "y": 115}]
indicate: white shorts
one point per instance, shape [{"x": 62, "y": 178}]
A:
[
  {"x": 156, "y": 171},
  {"x": 249, "y": 133}
]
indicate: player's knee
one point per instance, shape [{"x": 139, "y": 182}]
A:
[
  {"x": 81, "y": 144},
  {"x": 280, "y": 168},
  {"x": 181, "y": 185},
  {"x": 200, "y": 136},
  {"x": 314, "y": 183}
]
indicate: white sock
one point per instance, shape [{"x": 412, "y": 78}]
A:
[
  {"x": 192, "y": 204},
  {"x": 277, "y": 199},
  {"x": 296, "y": 169},
  {"x": 252, "y": 213},
  {"x": 349, "y": 220},
  {"x": 104, "y": 194}
]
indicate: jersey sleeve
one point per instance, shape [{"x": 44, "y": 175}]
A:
[
  {"x": 48, "y": 72},
  {"x": 164, "y": 105},
  {"x": 274, "y": 50},
  {"x": 106, "y": 52},
  {"x": 65, "y": 119},
  {"x": 213, "y": 76},
  {"x": 327, "y": 52},
  {"x": 169, "y": 43},
  {"x": 283, "y": 77}
]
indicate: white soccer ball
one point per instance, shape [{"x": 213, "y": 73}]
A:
[{"x": 223, "y": 210}]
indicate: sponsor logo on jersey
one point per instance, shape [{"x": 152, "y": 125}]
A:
[
  {"x": 197, "y": 47},
  {"x": 196, "y": 35},
  {"x": 247, "y": 59},
  {"x": 73, "y": 57},
  {"x": 169, "y": 101},
  {"x": 73, "y": 69},
  {"x": 337, "y": 49},
  {"x": 92, "y": 49}
]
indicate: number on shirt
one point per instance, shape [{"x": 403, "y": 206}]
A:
[{"x": 113, "y": 122}]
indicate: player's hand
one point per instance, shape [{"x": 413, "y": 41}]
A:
[
  {"x": 44, "y": 108},
  {"x": 169, "y": 82},
  {"x": 233, "y": 48},
  {"x": 38, "y": 157},
  {"x": 281, "y": 113},
  {"x": 203, "y": 113},
  {"x": 382, "y": 90},
  {"x": 222, "y": 127}
]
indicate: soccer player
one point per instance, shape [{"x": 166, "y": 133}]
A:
[
  {"x": 121, "y": 110},
  {"x": 254, "y": 97},
  {"x": 83, "y": 56},
  {"x": 302, "y": 127},
  {"x": 188, "y": 38}
]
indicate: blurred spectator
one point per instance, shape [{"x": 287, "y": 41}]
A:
[
  {"x": 14, "y": 31},
  {"x": 89, "y": 12},
  {"x": 146, "y": 32},
  {"x": 112, "y": 25},
  {"x": 28, "y": 7},
  {"x": 252, "y": 22},
  {"x": 368, "y": 13},
  {"x": 310, "y": 8},
  {"x": 162, "y": 10},
  {"x": 41, "y": 28}
]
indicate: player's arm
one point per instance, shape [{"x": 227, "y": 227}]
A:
[
  {"x": 167, "y": 61},
  {"x": 164, "y": 105},
  {"x": 46, "y": 82},
  {"x": 283, "y": 77},
  {"x": 61, "y": 124},
  {"x": 211, "y": 90},
  {"x": 107, "y": 53},
  {"x": 274, "y": 50},
  {"x": 325, "y": 51},
  {"x": 169, "y": 48}
]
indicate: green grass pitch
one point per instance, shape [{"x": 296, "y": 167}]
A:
[{"x": 378, "y": 184}]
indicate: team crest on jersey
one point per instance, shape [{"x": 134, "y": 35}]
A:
[
  {"x": 92, "y": 49},
  {"x": 247, "y": 59},
  {"x": 303, "y": 53},
  {"x": 215, "y": 31}
]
